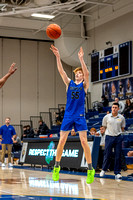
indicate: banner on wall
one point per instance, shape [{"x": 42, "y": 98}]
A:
[{"x": 123, "y": 89}]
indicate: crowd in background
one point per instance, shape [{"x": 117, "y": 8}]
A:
[{"x": 28, "y": 132}]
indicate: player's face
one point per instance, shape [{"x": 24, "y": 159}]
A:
[
  {"x": 79, "y": 75},
  {"x": 115, "y": 109}
]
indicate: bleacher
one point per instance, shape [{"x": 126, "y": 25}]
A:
[
  {"x": 94, "y": 119},
  {"x": 129, "y": 124},
  {"x": 127, "y": 146}
]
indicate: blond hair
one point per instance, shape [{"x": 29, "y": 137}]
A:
[{"x": 77, "y": 69}]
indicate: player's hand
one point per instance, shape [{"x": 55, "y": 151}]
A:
[
  {"x": 55, "y": 51},
  {"x": 80, "y": 53},
  {"x": 12, "y": 69}
]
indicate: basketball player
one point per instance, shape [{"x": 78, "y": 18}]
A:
[
  {"x": 11, "y": 70},
  {"x": 74, "y": 112}
]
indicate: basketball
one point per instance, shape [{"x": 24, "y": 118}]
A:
[{"x": 53, "y": 31}]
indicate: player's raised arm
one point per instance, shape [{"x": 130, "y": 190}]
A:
[
  {"x": 59, "y": 65},
  {"x": 11, "y": 70},
  {"x": 84, "y": 68}
]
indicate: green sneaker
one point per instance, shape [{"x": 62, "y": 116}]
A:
[
  {"x": 90, "y": 176},
  {"x": 55, "y": 175}
]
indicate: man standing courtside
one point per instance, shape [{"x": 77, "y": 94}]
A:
[
  {"x": 7, "y": 132},
  {"x": 114, "y": 124}
]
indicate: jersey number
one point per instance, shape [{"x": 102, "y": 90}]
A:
[{"x": 75, "y": 95}]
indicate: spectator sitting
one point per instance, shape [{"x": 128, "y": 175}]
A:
[
  {"x": 99, "y": 105},
  {"x": 16, "y": 143},
  {"x": 101, "y": 133},
  {"x": 73, "y": 133},
  {"x": 24, "y": 132},
  {"x": 128, "y": 108},
  {"x": 130, "y": 154},
  {"x": 30, "y": 132},
  {"x": 104, "y": 101},
  {"x": 60, "y": 115},
  {"x": 57, "y": 115},
  {"x": 121, "y": 105},
  {"x": 43, "y": 128},
  {"x": 62, "y": 112}
]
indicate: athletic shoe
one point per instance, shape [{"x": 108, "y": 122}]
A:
[
  {"x": 55, "y": 175},
  {"x": 118, "y": 176},
  {"x": 10, "y": 165},
  {"x": 3, "y": 165},
  {"x": 102, "y": 173},
  {"x": 90, "y": 176}
]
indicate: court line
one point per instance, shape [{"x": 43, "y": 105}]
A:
[
  {"x": 124, "y": 178},
  {"x": 17, "y": 197}
]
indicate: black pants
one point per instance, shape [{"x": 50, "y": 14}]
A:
[{"x": 116, "y": 143}]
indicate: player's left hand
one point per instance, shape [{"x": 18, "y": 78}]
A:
[{"x": 80, "y": 53}]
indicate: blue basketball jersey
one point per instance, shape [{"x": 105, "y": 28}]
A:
[{"x": 75, "y": 105}]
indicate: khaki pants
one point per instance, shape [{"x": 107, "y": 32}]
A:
[{"x": 9, "y": 147}]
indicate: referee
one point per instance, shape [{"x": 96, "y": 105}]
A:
[{"x": 114, "y": 124}]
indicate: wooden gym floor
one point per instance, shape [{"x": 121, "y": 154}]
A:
[{"x": 24, "y": 183}]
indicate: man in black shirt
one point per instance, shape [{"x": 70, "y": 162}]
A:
[{"x": 43, "y": 128}]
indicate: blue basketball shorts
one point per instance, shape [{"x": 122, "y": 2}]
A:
[{"x": 78, "y": 123}]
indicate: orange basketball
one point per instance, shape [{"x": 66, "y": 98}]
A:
[{"x": 53, "y": 31}]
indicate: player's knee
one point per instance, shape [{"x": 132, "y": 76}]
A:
[
  {"x": 83, "y": 141},
  {"x": 62, "y": 142}
]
